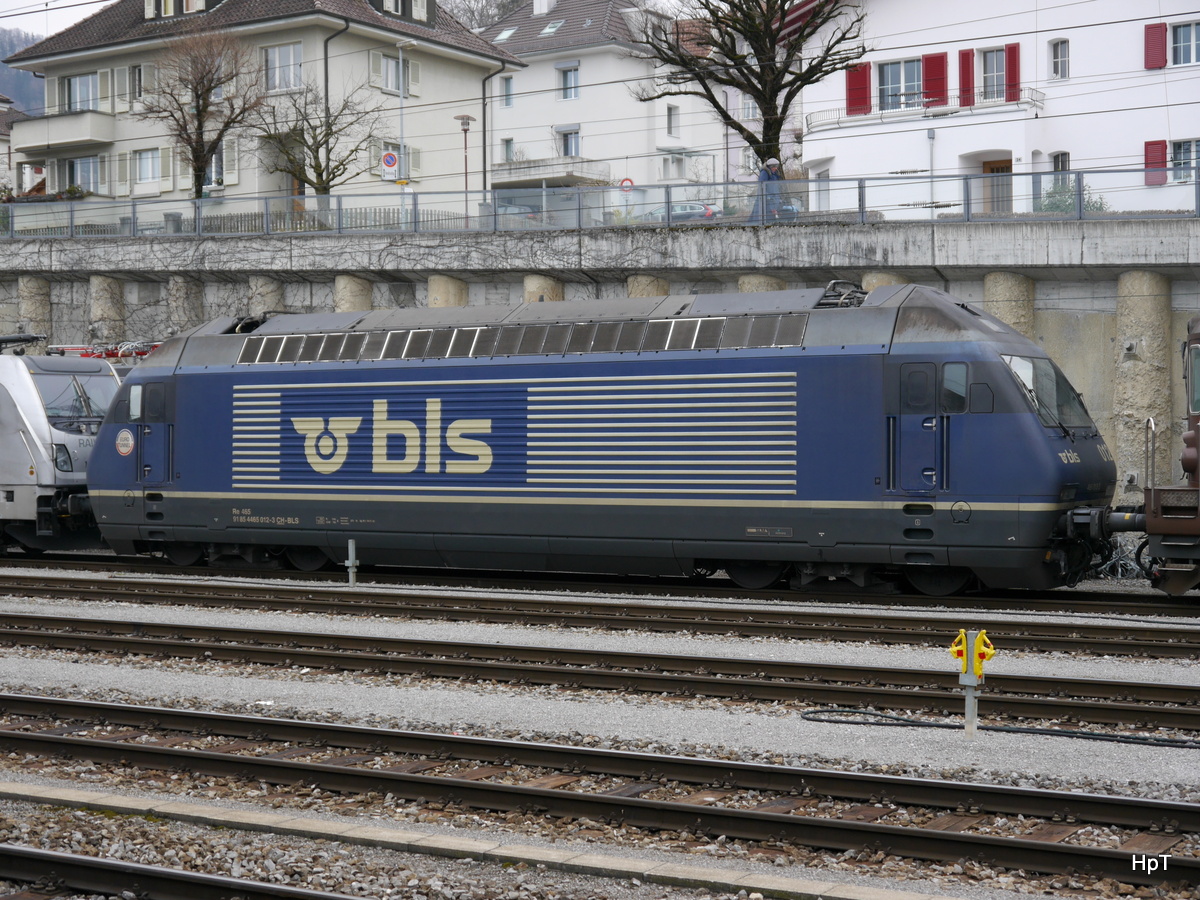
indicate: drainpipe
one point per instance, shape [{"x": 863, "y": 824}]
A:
[
  {"x": 344, "y": 29},
  {"x": 484, "y": 117}
]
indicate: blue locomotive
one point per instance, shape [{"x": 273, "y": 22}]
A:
[{"x": 806, "y": 435}]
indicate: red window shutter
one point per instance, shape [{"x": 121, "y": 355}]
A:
[
  {"x": 966, "y": 77},
  {"x": 1012, "y": 73},
  {"x": 1156, "y": 45},
  {"x": 858, "y": 90},
  {"x": 933, "y": 73},
  {"x": 1156, "y": 162}
]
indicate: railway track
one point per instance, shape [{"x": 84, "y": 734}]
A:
[
  {"x": 1074, "y": 601},
  {"x": 54, "y": 874},
  {"x": 1145, "y": 705},
  {"x": 1152, "y": 640},
  {"x": 770, "y": 805}
]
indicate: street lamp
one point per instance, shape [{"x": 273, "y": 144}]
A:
[{"x": 465, "y": 121}]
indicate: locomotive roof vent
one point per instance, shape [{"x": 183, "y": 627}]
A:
[{"x": 840, "y": 293}]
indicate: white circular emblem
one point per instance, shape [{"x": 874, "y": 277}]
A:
[{"x": 124, "y": 441}]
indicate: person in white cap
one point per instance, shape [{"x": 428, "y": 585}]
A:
[{"x": 766, "y": 204}]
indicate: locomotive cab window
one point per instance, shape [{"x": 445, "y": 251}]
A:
[
  {"x": 135, "y": 403},
  {"x": 1047, "y": 388},
  {"x": 1193, "y": 374},
  {"x": 954, "y": 387}
]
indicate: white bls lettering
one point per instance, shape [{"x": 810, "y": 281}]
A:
[
  {"x": 473, "y": 457},
  {"x": 325, "y": 448}
]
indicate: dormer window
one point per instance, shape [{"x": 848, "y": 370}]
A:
[
  {"x": 553, "y": 27},
  {"x": 504, "y": 35}
]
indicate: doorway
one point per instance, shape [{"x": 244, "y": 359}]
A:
[{"x": 998, "y": 187}]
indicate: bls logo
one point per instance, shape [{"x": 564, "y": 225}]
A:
[
  {"x": 1069, "y": 456},
  {"x": 326, "y": 446}
]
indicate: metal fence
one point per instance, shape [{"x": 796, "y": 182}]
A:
[{"x": 1083, "y": 195}]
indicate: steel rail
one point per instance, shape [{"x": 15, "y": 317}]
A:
[
  {"x": 755, "y": 825},
  {"x": 1172, "y": 816},
  {"x": 762, "y": 680},
  {"x": 409, "y": 585},
  {"x": 1167, "y": 641},
  {"x": 121, "y": 879}
]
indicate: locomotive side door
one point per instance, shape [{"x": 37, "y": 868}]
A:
[
  {"x": 148, "y": 410},
  {"x": 918, "y": 438}
]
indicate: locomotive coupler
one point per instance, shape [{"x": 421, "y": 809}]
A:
[{"x": 1096, "y": 524}]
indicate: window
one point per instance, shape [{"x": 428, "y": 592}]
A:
[
  {"x": 393, "y": 76},
  {"x": 900, "y": 84},
  {"x": 570, "y": 143},
  {"x": 750, "y": 108},
  {"x": 145, "y": 166},
  {"x": 1060, "y": 59},
  {"x": 508, "y": 149},
  {"x": 506, "y": 91},
  {"x": 504, "y": 35},
  {"x": 553, "y": 27},
  {"x": 568, "y": 83},
  {"x": 83, "y": 92},
  {"x": 283, "y": 67},
  {"x": 191, "y": 6},
  {"x": 673, "y": 167},
  {"x": 673, "y": 120},
  {"x": 1185, "y": 44},
  {"x": 1185, "y": 156},
  {"x": 84, "y": 173},
  {"x": 993, "y": 75},
  {"x": 1061, "y": 164},
  {"x": 136, "y": 83},
  {"x": 214, "y": 172}
]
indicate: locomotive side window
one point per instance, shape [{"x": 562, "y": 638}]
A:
[
  {"x": 464, "y": 340},
  {"x": 417, "y": 342},
  {"x": 762, "y": 331},
  {"x": 394, "y": 348},
  {"x": 312, "y": 346},
  {"x": 709, "y": 335},
  {"x": 532, "y": 340},
  {"x": 556, "y": 339},
  {"x": 630, "y": 339},
  {"x": 485, "y": 342},
  {"x": 736, "y": 333},
  {"x": 352, "y": 347},
  {"x": 657, "y": 333},
  {"x": 270, "y": 349},
  {"x": 509, "y": 340},
  {"x": 135, "y": 403},
  {"x": 155, "y": 402},
  {"x": 605, "y": 339},
  {"x": 250, "y": 350},
  {"x": 791, "y": 331},
  {"x": 918, "y": 392},
  {"x": 373, "y": 346},
  {"x": 331, "y": 348},
  {"x": 581, "y": 337},
  {"x": 290, "y": 351},
  {"x": 439, "y": 344},
  {"x": 954, "y": 387},
  {"x": 683, "y": 334}
]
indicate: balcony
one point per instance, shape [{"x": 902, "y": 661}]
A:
[
  {"x": 559, "y": 171},
  {"x": 74, "y": 129},
  {"x": 915, "y": 106}
]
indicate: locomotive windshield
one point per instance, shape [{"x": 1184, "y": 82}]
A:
[
  {"x": 1056, "y": 401},
  {"x": 75, "y": 396}
]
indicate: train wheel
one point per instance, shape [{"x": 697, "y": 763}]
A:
[
  {"x": 755, "y": 576},
  {"x": 307, "y": 559},
  {"x": 938, "y": 581},
  {"x": 184, "y": 553}
]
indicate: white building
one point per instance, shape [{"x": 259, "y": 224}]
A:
[
  {"x": 413, "y": 60},
  {"x": 8, "y": 171},
  {"x": 570, "y": 116},
  {"x": 1012, "y": 90}
]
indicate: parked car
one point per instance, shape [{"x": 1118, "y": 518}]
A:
[{"x": 681, "y": 212}]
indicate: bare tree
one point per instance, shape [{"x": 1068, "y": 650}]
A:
[
  {"x": 207, "y": 84},
  {"x": 318, "y": 143},
  {"x": 767, "y": 49},
  {"x": 480, "y": 13}
]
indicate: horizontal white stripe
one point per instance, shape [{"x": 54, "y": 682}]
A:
[
  {"x": 753, "y": 451},
  {"x": 256, "y": 468},
  {"x": 657, "y": 481},
  {"x": 243, "y": 392},
  {"x": 253, "y": 478},
  {"x": 658, "y": 433},
  {"x": 256, "y": 443},
  {"x": 565, "y": 420},
  {"x": 237, "y": 454},
  {"x": 716, "y": 409},
  {"x": 672, "y": 473},
  {"x": 541, "y": 402},
  {"x": 790, "y": 381},
  {"x": 532, "y": 382}
]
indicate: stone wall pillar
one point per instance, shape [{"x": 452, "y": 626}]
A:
[
  {"x": 749, "y": 284},
  {"x": 1142, "y": 383},
  {"x": 542, "y": 289},
  {"x": 106, "y": 309},
  {"x": 185, "y": 303},
  {"x": 874, "y": 279},
  {"x": 33, "y": 309},
  {"x": 647, "y": 286},
  {"x": 266, "y": 295},
  {"x": 351, "y": 293},
  {"x": 1009, "y": 297},
  {"x": 444, "y": 290}
]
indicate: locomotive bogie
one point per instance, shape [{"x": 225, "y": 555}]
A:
[{"x": 788, "y": 436}]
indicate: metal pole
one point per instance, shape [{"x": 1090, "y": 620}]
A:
[{"x": 352, "y": 563}]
